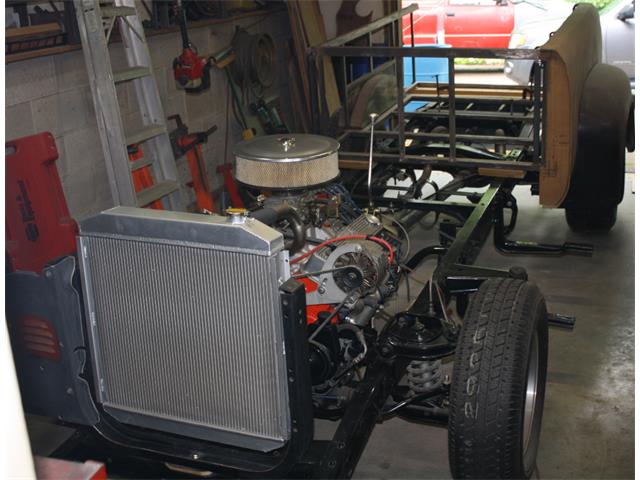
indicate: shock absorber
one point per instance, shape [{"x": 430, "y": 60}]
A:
[{"x": 424, "y": 375}]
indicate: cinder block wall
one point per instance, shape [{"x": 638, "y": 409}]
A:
[{"x": 52, "y": 94}]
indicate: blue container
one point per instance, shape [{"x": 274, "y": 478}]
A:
[
  {"x": 427, "y": 69},
  {"x": 360, "y": 66}
]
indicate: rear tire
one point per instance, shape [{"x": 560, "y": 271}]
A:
[
  {"x": 591, "y": 220},
  {"x": 597, "y": 180},
  {"x": 494, "y": 423}
]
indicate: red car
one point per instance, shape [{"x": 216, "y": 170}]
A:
[{"x": 461, "y": 23}]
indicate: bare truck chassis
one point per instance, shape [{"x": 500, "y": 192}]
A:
[{"x": 492, "y": 136}]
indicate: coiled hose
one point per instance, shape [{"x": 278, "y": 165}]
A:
[{"x": 253, "y": 67}]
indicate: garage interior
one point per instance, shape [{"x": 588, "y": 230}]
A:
[{"x": 59, "y": 92}]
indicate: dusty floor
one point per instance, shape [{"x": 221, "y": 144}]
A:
[{"x": 588, "y": 425}]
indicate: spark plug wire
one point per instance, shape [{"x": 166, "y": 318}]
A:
[{"x": 377, "y": 240}]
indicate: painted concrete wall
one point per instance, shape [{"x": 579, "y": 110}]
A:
[{"x": 52, "y": 94}]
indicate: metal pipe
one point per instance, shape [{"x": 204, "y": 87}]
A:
[
  {"x": 475, "y": 100},
  {"x": 345, "y": 97},
  {"x": 481, "y": 87},
  {"x": 419, "y": 161},
  {"x": 489, "y": 139},
  {"x": 413, "y": 44},
  {"x": 471, "y": 114},
  {"x": 324, "y": 105},
  {"x": 370, "y": 43},
  {"x": 372, "y": 117},
  {"x": 400, "y": 103},
  {"x": 452, "y": 110},
  {"x": 434, "y": 52},
  {"x": 313, "y": 88}
]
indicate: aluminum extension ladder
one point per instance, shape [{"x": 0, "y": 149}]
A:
[{"x": 96, "y": 19}]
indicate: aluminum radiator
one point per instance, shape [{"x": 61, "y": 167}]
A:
[{"x": 185, "y": 324}]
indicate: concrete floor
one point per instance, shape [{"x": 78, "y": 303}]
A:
[{"x": 588, "y": 423}]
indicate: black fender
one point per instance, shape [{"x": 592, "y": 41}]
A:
[{"x": 606, "y": 109}]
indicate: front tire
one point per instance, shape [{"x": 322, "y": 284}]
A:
[{"x": 498, "y": 383}]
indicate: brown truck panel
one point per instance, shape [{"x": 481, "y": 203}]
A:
[{"x": 570, "y": 53}]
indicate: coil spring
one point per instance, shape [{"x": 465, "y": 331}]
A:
[{"x": 424, "y": 375}]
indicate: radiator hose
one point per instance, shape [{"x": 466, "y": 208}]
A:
[{"x": 272, "y": 215}]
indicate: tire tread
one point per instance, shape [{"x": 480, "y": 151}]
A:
[{"x": 487, "y": 444}]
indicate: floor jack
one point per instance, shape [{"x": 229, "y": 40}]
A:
[{"x": 189, "y": 144}]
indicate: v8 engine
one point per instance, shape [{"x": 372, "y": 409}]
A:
[{"x": 346, "y": 257}]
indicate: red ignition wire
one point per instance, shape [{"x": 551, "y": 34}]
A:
[{"x": 378, "y": 240}]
